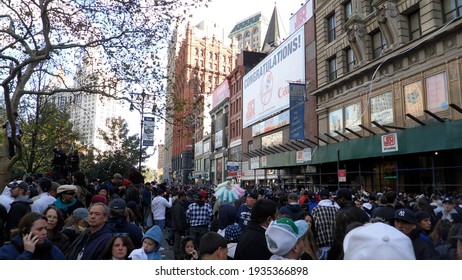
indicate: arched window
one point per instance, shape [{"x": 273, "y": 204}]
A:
[
  {"x": 247, "y": 34},
  {"x": 239, "y": 37},
  {"x": 255, "y": 31}
]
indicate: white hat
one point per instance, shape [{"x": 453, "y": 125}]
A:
[
  {"x": 377, "y": 241},
  {"x": 283, "y": 234},
  {"x": 66, "y": 188}
]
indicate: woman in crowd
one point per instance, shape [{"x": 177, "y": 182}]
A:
[
  {"x": 55, "y": 223},
  {"x": 30, "y": 241},
  {"x": 118, "y": 247},
  {"x": 76, "y": 224}
]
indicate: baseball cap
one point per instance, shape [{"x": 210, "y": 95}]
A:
[
  {"x": 345, "y": 193},
  {"x": 117, "y": 176},
  {"x": 253, "y": 195},
  {"x": 18, "y": 184},
  {"x": 232, "y": 233},
  {"x": 118, "y": 204},
  {"x": 377, "y": 241},
  {"x": 324, "y": 194},
  {"x": 81, "y": 213},
  {"x": 293, "y": 196},
  {"x": 405, "y": 215},
  {"x": 283, "y": 234}
]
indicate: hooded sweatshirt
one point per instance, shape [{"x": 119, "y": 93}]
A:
[
  {"x": 154, "y": 233},
  {"x": 19, "y": 207}
]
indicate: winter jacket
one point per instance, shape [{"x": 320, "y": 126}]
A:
[
  {"x": 154, "y": 233},
  {"x": 423, "y": 248},
  {"x": 226, "y": 215},
  {"x": 293, "y": 210},
  {"x": 15, "y": 251},
  {"x": 252, "y": 244},
  {"x": 20, "y": 207},
  {"x": 120, "y": 224},
  {"x": 178, "y": 217},
  {"x": 90, "y": 245}
]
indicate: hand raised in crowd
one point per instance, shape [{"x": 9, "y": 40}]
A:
[{"x": 30, "y": 241}]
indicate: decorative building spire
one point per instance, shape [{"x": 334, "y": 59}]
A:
[{"x": 275, "y": 34}]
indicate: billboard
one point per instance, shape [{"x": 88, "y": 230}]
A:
[
  {"x": 220, "y": 93},
  {"x": 266, "y": 86},
  {"x": 302, "y": 16}
]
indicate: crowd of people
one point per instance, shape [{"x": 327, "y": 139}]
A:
[{"x": 125, "y": 218}]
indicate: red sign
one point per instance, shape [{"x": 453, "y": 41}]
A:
[{"x": 341, "y": 175}]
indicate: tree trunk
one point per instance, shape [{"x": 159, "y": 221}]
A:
[{"x": 5, "y": 170}]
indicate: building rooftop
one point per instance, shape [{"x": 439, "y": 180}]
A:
[{"x": 246, "y": 23}]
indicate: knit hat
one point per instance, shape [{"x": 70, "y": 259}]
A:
[
  {"x": 232, "y": 233},
  {"x": 283, "y": 234},
  {"x": 377, "y": 241},
  {"x": 99, "y": 198}
]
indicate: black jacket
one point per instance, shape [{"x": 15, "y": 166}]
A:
[
  {"x": 252, "y": 244},
  {"x": 179, "y": 217},
  {"x": 423, "y": 248},
  {"x": 294, "y": 211}
]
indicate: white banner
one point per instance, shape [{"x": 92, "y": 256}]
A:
[{"x": 266, "y": 86}]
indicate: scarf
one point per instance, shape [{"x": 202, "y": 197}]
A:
[{"x": 58, "y": 203}]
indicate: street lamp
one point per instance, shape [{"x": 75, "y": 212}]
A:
[{"x": 151, "y": 119}]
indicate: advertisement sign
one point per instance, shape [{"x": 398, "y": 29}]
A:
[
  {"x": 437, "y": 94},
  {"x": 302, "y": 16},
  {"x": 297, "y": 111},
  {"x": 148, "y": 131},
  {"x": 220, "y": 93},
  {"x": 389, "y": 143},
  {"x": 382, "y": 108},
  {"x": 304, "y": 155},
  {"x": 264, "y": 161},
  {"x": 413, "y": 99},
  {"x": 266, "y": 86},
  {"x": 255, "y": 163},
  {"x": 342, "y": 175},
  {"x": 271, "y": 124},
  {"x": 232, "y": 166}
]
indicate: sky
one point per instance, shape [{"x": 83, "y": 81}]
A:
[{"x": 226, "y": 14}]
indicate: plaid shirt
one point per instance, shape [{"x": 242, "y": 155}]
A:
[
  {"x": 199, "y": 216},
  {"x": 324, "y": 220}
]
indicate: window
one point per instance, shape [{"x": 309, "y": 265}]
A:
[
  {"x": 331, "y": 25},
  {"x": 414, "y": 25},
  {"x": 451, "y": 9},
  {"x": 332, "y": 68},
  {"x": 378, "y": 44},
  {"x": 348, "y": 9},
  {"x": 371, "y": 8},
  {"x": 255, "y": 31},
  {"x": 350, "y": 59},
  {"x": 239, "y": 37},
  {"x": 247, "y": 34}
]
